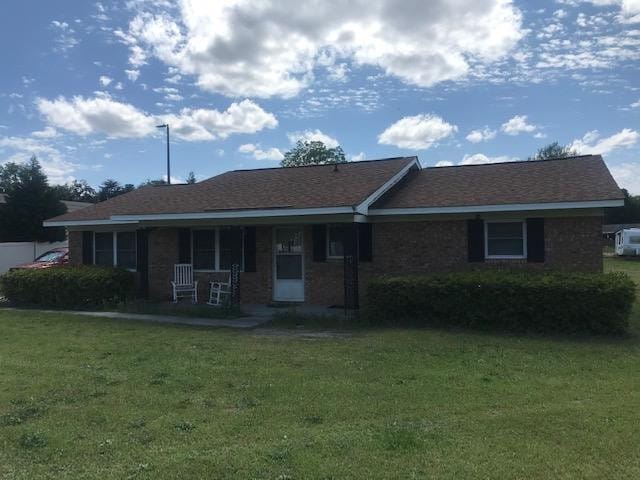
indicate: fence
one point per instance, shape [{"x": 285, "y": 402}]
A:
[{"x": 15, "y": 253}]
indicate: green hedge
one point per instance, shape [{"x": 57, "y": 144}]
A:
[
  {"x": 67, "y": 286},
  {"x": 506, "y": 301}
]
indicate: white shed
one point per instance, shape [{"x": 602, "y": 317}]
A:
[{"x": 628, "y": 241}]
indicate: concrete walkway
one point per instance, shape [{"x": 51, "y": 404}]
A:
[{"x": 241, "y": 322}]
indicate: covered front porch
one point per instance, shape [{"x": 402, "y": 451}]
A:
[{"x": 296, "y": 261}]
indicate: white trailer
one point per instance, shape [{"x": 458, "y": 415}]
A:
[{"x": 628, "y": 241}]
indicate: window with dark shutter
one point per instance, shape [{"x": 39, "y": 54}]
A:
[
  {"x": 319, "y": 234},
  {"x": 87, "y": 248},
  {"x": 475, "y": 240},
  {"x": 250, "y": 249},
  {"x": 535, "y": 240},
  {"x": 365, "y": 231}
]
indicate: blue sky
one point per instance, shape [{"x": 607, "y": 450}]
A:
[{"x": 472, "y": 81}]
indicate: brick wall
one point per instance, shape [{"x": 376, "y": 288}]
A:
[{"x": 398, "y": 248}]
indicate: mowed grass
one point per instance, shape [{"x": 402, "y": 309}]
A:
[{"x": 97, "y": 399}]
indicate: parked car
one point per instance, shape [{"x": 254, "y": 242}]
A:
[{"x": 53, "y": 258}]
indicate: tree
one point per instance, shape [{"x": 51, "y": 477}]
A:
[
  {"x": 30, "y": 201},
  {"x": 554, "y": 150},
  {"x": 191, "y": 178},
  {"x": 148, "y": 182},
  {"x": 111, "y": 188},
  {"x": 77, "y": 191},
  {"x": 312, "y": 153}
]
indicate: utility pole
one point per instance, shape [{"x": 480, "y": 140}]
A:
[{"x": 166, "y": 125}]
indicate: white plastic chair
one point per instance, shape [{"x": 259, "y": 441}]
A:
[
  {"x": 183, "y": 284},
  {"x": 217, "y": 290}
]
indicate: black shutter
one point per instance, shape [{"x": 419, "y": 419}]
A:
[
  {"x": 250, "y": 249},
  {"x": 364, "y": 242},
  {"x": 87, "y": 248},
  {"x": 142, "y": 261},
  {"x": 236, "y": 246},
  {"x": 535, "y": 240},
  {"x": 319, "y": 234},
  {"x": 475, "y": 240},
  {"x": 184, "y": 245}
]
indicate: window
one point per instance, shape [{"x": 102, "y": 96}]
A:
[
  {"x": 204, "y": 249},
  {"x": 213, "y": 249},
  {"x": 126, "y": 250},
  {"x": 634, "y": 240},
  {"x": 337, "y": 238},
  {"x": 505, "y": 239},
  {"x": 115, "y": 248},
  {"x": 103, "y": 248}
]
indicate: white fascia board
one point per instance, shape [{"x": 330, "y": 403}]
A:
[
  {"x": 88, "y": 223},
  {"x": 497, "y": 208},
  {"x": 283, "y": 212},
  {"x": 363, "y": 208}
]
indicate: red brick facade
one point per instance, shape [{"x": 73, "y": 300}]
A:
[{"x": 571, "y": 243}]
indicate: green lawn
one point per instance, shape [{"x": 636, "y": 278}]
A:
[{"x": 91, "y": 398}]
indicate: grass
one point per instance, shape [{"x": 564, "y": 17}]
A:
[
  {"x": 628, "y": 265},
  {"x": 97, "y": 399}
]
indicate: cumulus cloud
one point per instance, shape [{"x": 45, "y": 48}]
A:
[
  {"x": 418, "y": 132},
  {"x": 517, "y": 125},
  {"x": 635, "y": 104},
  {"x": 313, "y": 136},
  {"x": 85, "y": 116},
  {"x": 592, "y": 142},
  {"x": 132, "y": 74},
  {"x": 480, "y": 159},
  {"x": 104, "y": 80},
  {"x": 358, "y": 157},
  {"x": 47, "y": 132},
  {"x": 423, "y": 45},
  {"x": 477, "y": 136},
  {"x": 273, "y": 154},
  {"x": 20, "y": 149},
  {"x": 444, "y": 163}
]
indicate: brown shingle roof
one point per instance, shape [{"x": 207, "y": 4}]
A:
[
  {"x": 269, "y": 188},
  {"x": 575, "y": 179}
]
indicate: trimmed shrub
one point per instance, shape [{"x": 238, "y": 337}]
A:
[
  {"x": 506, "y": 301},
  {"x": 67, "y": 286}
]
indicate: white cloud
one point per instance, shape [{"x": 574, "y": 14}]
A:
[
  {"x": 272, "y": 154},
  {"x": 424, "y": 44},
  {"x": 55, "y": 166},
  {"x": 477, "y": 136},
  {"x": 105, "y": 81},
  {"x": 418, "y": 132},
  {"x": 480, "y": 159},
  {"x": 48, "y": 132},
  {"x": 444, "y": 163},
  {"x": 132, "y": 74},
  {"x": 358, "y": 157},
  {"x": 591, "y": 142},
  {"x": 635, "y": 104},
  {"x": 85, "y": 116},
  {"x": 518, "y": 124},
  {"x": 313, "y": 136},
  {"x": 628, "y": 176}
]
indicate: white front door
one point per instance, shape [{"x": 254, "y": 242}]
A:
[{"x": 288, "y": 264}]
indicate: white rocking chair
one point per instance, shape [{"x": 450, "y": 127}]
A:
[
  {"x": 183, "y": 284},
  {"x": 217, "y": 290}
]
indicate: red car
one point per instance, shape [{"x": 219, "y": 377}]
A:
[{"x": 53, "y": 258}]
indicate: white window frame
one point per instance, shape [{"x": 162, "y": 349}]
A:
[
  {"x": 328, "y": 241},
  {"x": 217, "y": 250},
  {"x": 114, "y": 239},
  {"x": 505, "y": 257}
]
